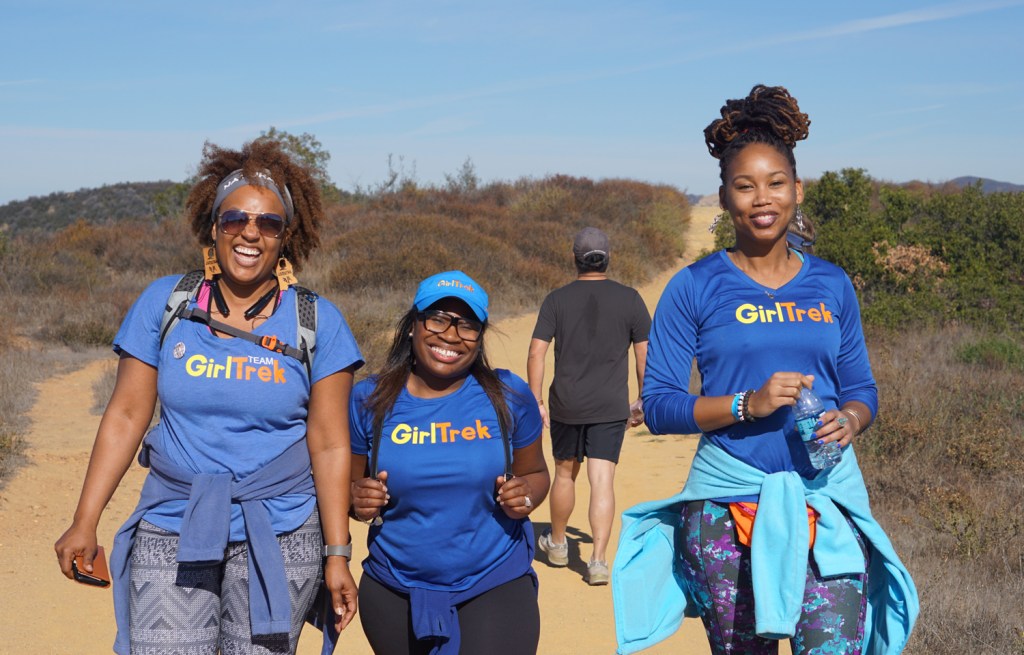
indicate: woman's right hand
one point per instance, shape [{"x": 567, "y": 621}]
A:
[
  {"x": 74, "y": 542},
  {"x": 369, "y": 496},
  {"x": 782, "y": 389}
]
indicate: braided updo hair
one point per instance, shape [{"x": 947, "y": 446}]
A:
[
  {"x": 767, "y": 115},
  {"x": 302, "y": 235}
]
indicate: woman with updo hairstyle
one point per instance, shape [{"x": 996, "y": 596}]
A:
[
  {"x": 763, "y": 543},
  {"x": 242, "y": 519}
]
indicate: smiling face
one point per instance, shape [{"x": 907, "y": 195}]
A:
[
  {"x": 443, "y": 360},
  {"x": 761, "y": 193},
  {"x": 247, "y": 259}
]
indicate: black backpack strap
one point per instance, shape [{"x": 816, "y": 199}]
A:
[
  {"x": 184, "y": 291},
  {"x": 306, "y": 317},
  {"x": 268, "y": 342}
]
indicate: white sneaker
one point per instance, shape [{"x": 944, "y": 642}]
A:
[
  {"x": 597, "y": 573},
  {"x": 558, "y": 554}
]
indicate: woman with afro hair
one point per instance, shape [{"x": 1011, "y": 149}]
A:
[
  {"x": 760, "y": 543},
  {"x": 243, "y": 513}
]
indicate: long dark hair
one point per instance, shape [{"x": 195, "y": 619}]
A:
[{"x": 392, "y": 377}]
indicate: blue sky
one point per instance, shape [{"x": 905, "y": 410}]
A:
[{"x": 103, "y": 92}]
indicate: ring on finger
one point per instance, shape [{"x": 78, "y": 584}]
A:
[
  {"x": 842, "y": 421},
  {"x": 527, "y": 503}
]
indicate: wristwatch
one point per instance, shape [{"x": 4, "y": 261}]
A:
[{"x": 344, "y": 551}]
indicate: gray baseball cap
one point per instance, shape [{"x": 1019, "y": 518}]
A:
[{"x": 590, "y": 241}]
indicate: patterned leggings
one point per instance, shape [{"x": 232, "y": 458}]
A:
[
  {"x": 196, "y": 609},
  {"x": 718, "y": 569}
]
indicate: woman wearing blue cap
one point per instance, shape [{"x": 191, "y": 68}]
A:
[{"x": 447, "y": 465}]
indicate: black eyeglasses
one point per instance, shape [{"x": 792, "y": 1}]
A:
[
  {"x": 437, "y": 322},
  {"x": 233, "y": 222}
]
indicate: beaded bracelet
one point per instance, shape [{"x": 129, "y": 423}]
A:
[
  {"x": 745, "y": 406},
  {"x": 736, "y": 406}
]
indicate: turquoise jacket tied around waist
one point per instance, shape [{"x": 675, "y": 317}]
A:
[{"x": 651, "y": 595}]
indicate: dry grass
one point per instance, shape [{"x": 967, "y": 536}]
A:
[
  {"x": 21, "y": 366},
  {"x": 943, "y": 466}
]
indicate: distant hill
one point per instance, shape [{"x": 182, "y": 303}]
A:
[
  {"x": 116, "y": 202},
  {"x": 101, "y": 205},
  {"x": 987, "y": 185}
]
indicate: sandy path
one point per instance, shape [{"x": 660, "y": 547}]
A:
[{"x": 46, "y": 614}]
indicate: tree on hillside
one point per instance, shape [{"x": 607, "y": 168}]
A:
[
  {"x": 464, "y": 181},
  {"x": 307, "y": 149},
  {"x": 846, "y": 194}
]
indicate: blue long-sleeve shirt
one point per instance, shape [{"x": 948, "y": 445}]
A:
[{"x": 740, "y": 333}]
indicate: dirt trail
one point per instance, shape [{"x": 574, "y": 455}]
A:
[{"x": 46, "y": 614}]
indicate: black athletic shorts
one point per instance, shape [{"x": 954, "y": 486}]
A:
[{"x": 596, "y": 440}]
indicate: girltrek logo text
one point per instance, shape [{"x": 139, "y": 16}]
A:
[
  {"x": 438, "y": 433},
  {"x": 782, "y": 312},
  {"x": 264, "y": 369}
]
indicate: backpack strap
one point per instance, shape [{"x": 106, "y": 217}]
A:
[
  {"x": 306, "y": 316},
  {"x": 184, "y": 291}
]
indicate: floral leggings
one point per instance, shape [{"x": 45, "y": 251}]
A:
[{"x": 717, "y": 567}]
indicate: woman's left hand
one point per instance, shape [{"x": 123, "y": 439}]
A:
[
  {"x": 514, "y": 496},
  {"x": 834, "y": 425},
  {"x": 342, "y": 586}
]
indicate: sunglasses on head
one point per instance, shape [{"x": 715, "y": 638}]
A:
[{"x": 233, "y": 222}]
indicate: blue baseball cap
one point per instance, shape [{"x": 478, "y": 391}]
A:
[{"x": 452, "y": 284}]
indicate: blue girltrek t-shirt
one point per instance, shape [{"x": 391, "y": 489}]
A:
[
  {"x": 228, "y": 405},
  {"x": 443, "y": 529},
  {"x": 740, "y": 334}
]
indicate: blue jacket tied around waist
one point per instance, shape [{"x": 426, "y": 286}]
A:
[
  {"x": 651, "y": 596},
  {"x": 205, "y": 529}
]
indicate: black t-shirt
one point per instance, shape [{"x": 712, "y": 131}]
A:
[{"x": 593, "y": 323}]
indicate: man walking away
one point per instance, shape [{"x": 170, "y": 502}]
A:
[{"x": 593, "y": 321}]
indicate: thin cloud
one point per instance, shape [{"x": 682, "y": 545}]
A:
[
  {"x": 18, "y": 82},
  {"x": 902, "y": 19},
  {"x": 890, "y": 21}
]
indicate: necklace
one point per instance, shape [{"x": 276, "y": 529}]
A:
[{"x": 250, "y": 314}]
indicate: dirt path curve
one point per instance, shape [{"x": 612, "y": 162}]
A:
[{"x": 46, "y": 614}]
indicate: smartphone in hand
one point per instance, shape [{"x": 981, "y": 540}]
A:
[{"x": 100, "y": 576}]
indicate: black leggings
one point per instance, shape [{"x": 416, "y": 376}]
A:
[{"x": 504, "y": 620}]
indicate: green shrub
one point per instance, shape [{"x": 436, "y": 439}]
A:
[{"x": 993, "y": 353}]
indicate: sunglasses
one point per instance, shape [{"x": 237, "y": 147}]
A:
[
  {"x": 234, "y": 221},
  {"x": 437, "y": 322}
]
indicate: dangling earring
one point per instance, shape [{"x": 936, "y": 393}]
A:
[
  {"x": 210, "y": 265},
  {"x": 714, "y": 223},
  {"x": 285, "y": 275},
  {"x": 799, "y": 219}
]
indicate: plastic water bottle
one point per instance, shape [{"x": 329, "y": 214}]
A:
[{"x": 807, "y": 412}]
